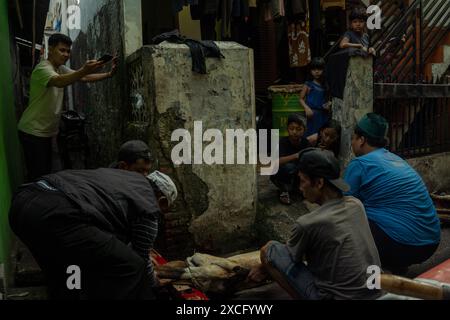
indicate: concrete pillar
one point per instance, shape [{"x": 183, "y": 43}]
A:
[
  {"x": 216, "y": 208},
  {"x": 357, "y": 101}
]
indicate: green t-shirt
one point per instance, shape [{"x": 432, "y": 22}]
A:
[{"x": 42, "y": 116}]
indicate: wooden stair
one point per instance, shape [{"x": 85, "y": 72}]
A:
[{"x": 403, "y": 60}]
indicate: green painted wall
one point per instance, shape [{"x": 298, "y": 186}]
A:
[{"x": 10, "y": 163}]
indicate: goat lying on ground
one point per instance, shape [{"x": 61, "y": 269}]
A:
[{"x": 211, "y": 274}]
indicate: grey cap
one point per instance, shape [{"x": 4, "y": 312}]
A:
[
  {"x": 165, "y": 185},
  {"x": 322, "y": 164}
]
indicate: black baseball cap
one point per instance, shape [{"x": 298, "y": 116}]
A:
[
  {"x": 323, "y": 164},
  {"x": 134, "y": 150}
]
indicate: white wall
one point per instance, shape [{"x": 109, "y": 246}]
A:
[{"x": 133, "y": 25}]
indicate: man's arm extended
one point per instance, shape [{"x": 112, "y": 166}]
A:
[
  {"x": 96, "y": 77},
  {"x": 64, "y": 80},
  {"x": 102, "y": 76}
]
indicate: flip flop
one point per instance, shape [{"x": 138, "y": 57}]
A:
[{"x": 284, "y": 198}]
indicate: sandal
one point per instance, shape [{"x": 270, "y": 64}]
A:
[{"x": 284, "y": 198}]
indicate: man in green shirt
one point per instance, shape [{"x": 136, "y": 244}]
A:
[{"x": 40, "y": 121}]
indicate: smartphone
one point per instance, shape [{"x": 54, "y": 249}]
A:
[{"x": 106, "y": 58}]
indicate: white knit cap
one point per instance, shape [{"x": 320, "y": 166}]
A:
[{"x": 165, "y": 185}]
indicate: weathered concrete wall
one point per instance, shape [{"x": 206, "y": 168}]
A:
[
  {"x": 357, "y": 101},
  {"x": 217, "y": 204},
  {"x": 132, "y": 11},
  {"x": 434, "y": 170},
  {"x": 103, "y": 102}
]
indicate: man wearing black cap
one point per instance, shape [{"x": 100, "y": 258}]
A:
[
  {"x": 134, "y": 156},
  {"x": 286, "y": 178},
  {"x": 334, "y": 240},
  {"x": 102, "y": 221},
  {"x": 401, "y": 214}
]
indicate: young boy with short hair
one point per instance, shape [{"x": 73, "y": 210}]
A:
[
  {"x": 356, "y": 37},
  {"x": 289, "y": 148}
]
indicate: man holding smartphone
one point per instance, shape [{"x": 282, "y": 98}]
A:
[{"x": 40, "y": 121}]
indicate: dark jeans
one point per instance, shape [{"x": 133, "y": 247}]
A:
[
  {"x": 58, "y": 235},
  {"x": 297, "y": 274},
  {"x": 286, "y": 178},
  {"x": 38, "y": 155},
  {"x": 395, "y": 256}
]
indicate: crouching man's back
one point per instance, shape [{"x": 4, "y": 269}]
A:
[
  {"x": 331, "y": 248},
  {"x": 337, "y": 244}
]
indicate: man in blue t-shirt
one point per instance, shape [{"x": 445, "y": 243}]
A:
[{"x": 401, "y": 214}]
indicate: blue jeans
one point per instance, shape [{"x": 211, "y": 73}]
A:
[{"x": 296, "y": 273}]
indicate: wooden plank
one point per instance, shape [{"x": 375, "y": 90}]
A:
[{"x": 404, "y": 90}]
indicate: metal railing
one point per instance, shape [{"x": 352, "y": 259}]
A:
[
  {"x": 418, "y": 116},
  {"x": 405, "y": 46}
]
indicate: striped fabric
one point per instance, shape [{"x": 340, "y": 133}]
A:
[{"x": 143, "y": 236}]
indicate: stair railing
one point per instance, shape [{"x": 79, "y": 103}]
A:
[{"x": 406, "y": 62}]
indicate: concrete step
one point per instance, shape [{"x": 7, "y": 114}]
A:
[{"x": 275, "y": 220}]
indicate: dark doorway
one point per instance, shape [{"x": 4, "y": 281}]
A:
[{"x": 157, "y": 17}]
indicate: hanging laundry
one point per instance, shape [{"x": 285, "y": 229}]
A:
[
  {"x": 252, "y": 3},
  {"x": 240, "y": 8},
  {"x": 210, "y": 6},
  {"x": 315, "y": 15},
  {"x": 177, "y": 5},
  {"x": 204, "y": 7},
  {"x": 299, "y": 50},
  {"x": 299, "y": 6},
  {"x": 196, "y": 12},
  {"x": 199, "y": 49},
  {"x": 277, "y": 8},
  {"x": 332, "y": 3},
  {"x": 226, "y": 11},
  {"x": 267, "y": 13},
  {"x": 208, "y": 27}
]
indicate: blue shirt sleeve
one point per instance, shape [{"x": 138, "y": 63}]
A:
[{"x": 352, "y": 176}]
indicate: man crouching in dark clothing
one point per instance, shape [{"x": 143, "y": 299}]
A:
[{"x": 102, "y": 221}]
